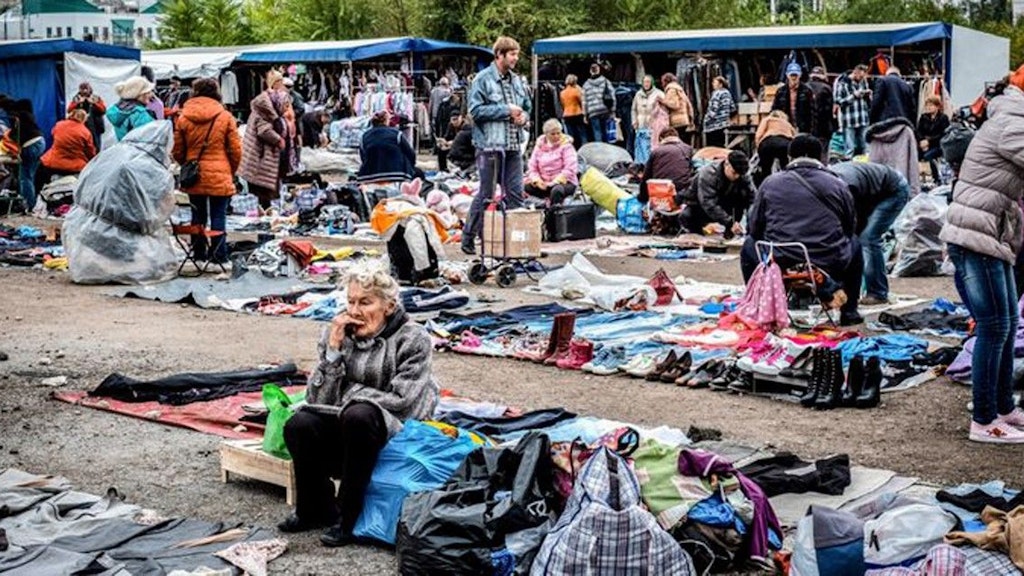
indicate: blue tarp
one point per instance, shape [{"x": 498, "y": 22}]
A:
[
  {"x": 55, "y": 48},
  {"x": 765, "y": 38},
  {"x": 351, "y": 50}
]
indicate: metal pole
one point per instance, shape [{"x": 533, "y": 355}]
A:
[{"x": 533, "y": 72}]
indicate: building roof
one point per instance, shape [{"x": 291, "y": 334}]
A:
[
  {"x": 762, "y": 38},
  {"x": 58, "y": 7}
]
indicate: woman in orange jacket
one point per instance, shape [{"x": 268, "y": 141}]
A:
[
  {"x": 205, "y": 131},
  {"x": 72, "y": 149}
]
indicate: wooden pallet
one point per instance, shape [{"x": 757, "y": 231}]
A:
[{"x": 247, "y": 458}]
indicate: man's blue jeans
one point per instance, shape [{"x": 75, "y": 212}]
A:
[
  {"x": 598, "y": 127},
  {"x": 875, "y": 281},
  {"x": 856, "y": 140},
  {"x": 30, "y": 156},
  {"x": 988, "y": 288},
  {"x": 508, "y": 167}
]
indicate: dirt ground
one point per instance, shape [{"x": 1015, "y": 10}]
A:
[{"x": 51, "y": 327}]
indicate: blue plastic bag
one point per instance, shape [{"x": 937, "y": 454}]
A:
[
  {"x": 630, "y": 216},
  {"x": 419, "y": 458}
]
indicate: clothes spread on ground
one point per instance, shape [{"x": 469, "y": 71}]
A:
[
  {"x": 1004, "y": 532},
  {"x": 940, "y": 321},
  {"x": 537, "y": 420},
  {"x": 180, "y": 389},
  {"x": 787, "y": 473},
  {"x": 979, "y": 499}
]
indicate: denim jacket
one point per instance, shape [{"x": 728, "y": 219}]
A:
[{"x": 488, "y": 109}]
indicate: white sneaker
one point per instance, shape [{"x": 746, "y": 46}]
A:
[
  {"x": 997, "y": 432},
  {"x": 1014, "y": 418}
]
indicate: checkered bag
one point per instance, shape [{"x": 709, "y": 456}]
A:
[
  {"x": 606, "y": 530},
  {"x": 309, "y": 198},
  {"x": 244, "y": 203}
]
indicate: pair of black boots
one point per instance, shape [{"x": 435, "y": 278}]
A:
[{"x": 825, "y": 390}]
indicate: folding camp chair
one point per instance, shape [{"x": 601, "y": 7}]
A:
[{"x": 184, "y": 232}]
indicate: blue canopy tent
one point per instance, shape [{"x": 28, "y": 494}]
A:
[
  {"x": 34, "y": 69},
  {"x": 353, "y": 50},
  {"x": 970, "y": 57}
]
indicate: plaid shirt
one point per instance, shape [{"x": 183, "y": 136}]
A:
[
  {"x": 513, "y": 133},
  {"x": 601, "y": 534},
  {"x": 853, "y": 110}
]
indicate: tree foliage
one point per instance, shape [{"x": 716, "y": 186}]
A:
[{"x": 230, "y": 22}]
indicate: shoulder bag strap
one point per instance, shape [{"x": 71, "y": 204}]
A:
[
  {"x": 209, "y": 131},
  {"x": 814, "y": 192}
]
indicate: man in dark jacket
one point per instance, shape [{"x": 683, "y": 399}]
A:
[
  {"x": 893, "y": 98},
  {"x": 807, "y": 203},
  {"x": 824, "y": 119},
  {"x": 879, "y": 195},
  {"x": 671, "y": 160},
  {"x": 313, "y": 127},
  {"x": 931, "y": 127},
  {"x": 796, "y": 100},
  {"x": 720, "y": 192}
]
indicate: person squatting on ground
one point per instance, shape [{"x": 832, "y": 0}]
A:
[
  {"x": 721, "y": 192},
  {"x": 671, "y": 160},
  {"x": 983, "y": 233},
  {"x": 131, "y": 110},
  {"x": 206, "y": 132},
  {"x": 807, "y": 203},
  {"x": 552, "y": 170},
  {"x": 374, "y": 373},
  {"x": 879, "y": 195},
  {"x": 72, "y": 149},
  {"x": 500, "y": 107}
]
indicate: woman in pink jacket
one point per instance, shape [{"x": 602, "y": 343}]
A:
[{"x": 552, "y": 170}]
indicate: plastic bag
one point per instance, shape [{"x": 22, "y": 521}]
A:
[
  {"x": 601, "y": 189},
  {"x": 494, "y": 511},
  {"x": 601, "y": 156},
  {"x": 919, "y": 251},
  {"x": 630, "y": 216},
  {"x": 420, "y": 457},
  {"x": 279, "y": 410},
  {"x": 117, "y": 230}
]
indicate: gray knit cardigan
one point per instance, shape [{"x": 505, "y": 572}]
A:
[{"x": 391, "y": 370}]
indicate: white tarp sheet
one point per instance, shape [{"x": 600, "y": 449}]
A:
[{"x": 102, "y": 74}]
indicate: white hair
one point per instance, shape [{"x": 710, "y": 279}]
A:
[
  {"x": 374, "y": 277},
  {"x": 552, "y": 125}
]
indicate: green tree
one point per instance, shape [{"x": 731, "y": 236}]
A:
[{"x": 180, "y": 23}]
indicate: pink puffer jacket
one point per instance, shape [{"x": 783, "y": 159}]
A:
[{"x": 549, "y": 161}]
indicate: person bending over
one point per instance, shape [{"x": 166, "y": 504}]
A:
[
  {"x": 374, "y": 373},
  {"x": 552, "y": 170},
  {"x": 721, "y": 192},
  {"x": 879, "y": 195},
  {"x": 808, "y": 203},
  {"x": 385, "y": 153}
]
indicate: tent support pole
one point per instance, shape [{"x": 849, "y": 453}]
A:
[
  {"x": 533, "y": 72},
  {"x": 351, "y": 86},
  {"x": 944, "y": 71}
]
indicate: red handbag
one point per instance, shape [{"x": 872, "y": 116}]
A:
[{"x": 664, "y": 287}]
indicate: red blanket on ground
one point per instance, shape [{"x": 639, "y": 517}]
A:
[{"x": 219, "y": 417}]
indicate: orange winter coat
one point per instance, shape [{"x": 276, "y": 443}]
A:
[
  {"x": 72, "y": 147},
  {"x": 223, "y": 153}
]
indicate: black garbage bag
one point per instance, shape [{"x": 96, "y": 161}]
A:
[{"x": 490, "y": 516}]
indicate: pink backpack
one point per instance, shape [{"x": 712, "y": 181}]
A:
[{"x": 764, "y": 301}]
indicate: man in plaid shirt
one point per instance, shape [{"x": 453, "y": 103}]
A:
[{"x": 854, "y": 99}]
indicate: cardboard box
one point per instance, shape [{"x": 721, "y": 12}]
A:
[
  {"x": 746, "y": 108},
  {"x": 513, "y": 234}
]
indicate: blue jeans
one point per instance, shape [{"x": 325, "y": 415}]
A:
[
  {"x": 509, "y": 166},
  {"x": 932, "y": 156},
  {"x": 856, "y": 140},
  {"x": 210, "y": 211},
  {"x": 30, "y": 156},
  {"x": 989, "y": 291},
  {"x": 598, "y": 127},
  {"x": 875, "y": 281}
]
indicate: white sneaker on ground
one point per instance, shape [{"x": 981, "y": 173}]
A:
[
  {"x": 1014, "y": 418},
  {"x": 996, "y": 432}
]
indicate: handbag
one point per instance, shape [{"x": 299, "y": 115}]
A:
[
  {"x": 189, "y": 175},
  {"x": 764, "y": 301},
  {"x": 664, "y": 287}
]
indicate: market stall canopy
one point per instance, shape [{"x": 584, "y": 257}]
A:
[
  {"x": 763, "y": 38},
  {"x": 57, "y": 47},
  {"x": 203, "y": 62},
  {"x": 352, "y": 50}
]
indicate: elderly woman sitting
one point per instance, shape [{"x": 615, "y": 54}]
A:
[
  {"x": 374, "y": 372},
  {"x": 552, "y": 170}
]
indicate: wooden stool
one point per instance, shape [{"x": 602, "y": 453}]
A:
[{"x": 247, "y": 458}]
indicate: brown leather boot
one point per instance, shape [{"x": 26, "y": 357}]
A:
[{"x": 563, "y": 338}]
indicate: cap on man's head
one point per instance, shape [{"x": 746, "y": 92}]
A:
[
  {"x": 794, "y": 69},
  {"x": 818, "y": 73},
  {"x": 739, "y": 162}
]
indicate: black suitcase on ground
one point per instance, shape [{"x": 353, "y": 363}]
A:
[{"x": 570, "y": 222}]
